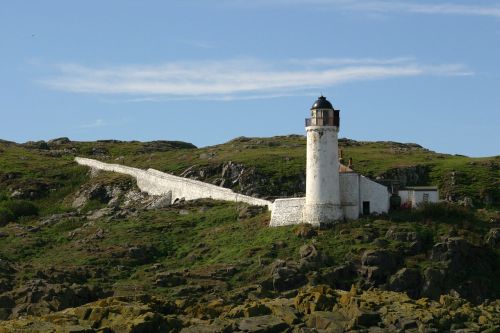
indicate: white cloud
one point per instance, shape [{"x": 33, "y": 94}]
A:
[
  {"x": 236, "y": 79},
  {"x": 443, "y": 8}
]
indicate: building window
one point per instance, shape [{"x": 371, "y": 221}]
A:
[{"x": 426, "y": 197}]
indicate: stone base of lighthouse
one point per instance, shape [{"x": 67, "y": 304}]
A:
[{"x": 320, "y": 214}]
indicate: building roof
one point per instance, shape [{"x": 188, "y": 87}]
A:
[
  {"x": 421, "y": 188},
  {"x": 322, "y": 103},
  {"x": 344, "y": 168}
]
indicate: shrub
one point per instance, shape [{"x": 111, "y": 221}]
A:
[
  {"x": 20, "y": 208},
  {"x": 6, "y": 216},
  {"x": 444, "y": 211}
]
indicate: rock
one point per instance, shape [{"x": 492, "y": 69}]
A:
[
  {"x": 492, "y": 238},
  {"x": 59, "y": 141},
  {"x": 250, "y": 211},
  {"x": 169, "y": 279},
  {"x": 461, "y": 261},
  {"x": 433, "y": 283},
  {"x": 283, "y": 309},
  {"x": 317, "y": 298},
  {"x": 377, "y": 266},
  {"x": 380, "y": 242},
  {"x": 262, "y": 324},
  {"x": 217, "y": 326},
  {"x": 250, "y": 309},
  {"x": 305, "y": 231},
  {"x": 339, "y": 277},
  {"x": 363, "y": 318},
  {"x": 159, "y": 202},
  {"x": 406, "y": 280},
  {"x": 285, "y": 276},
  {"x": 141, "y": 253},
  {"x": 37, "y": 297},
  {"x": 310, "y": 258},
  {"x": 100, "y": 213},
  {"x": 326, "y": 320}
]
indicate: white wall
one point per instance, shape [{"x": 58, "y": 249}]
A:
[
  {"x": 405, "y": 196},
  {"x": 155, "y": 182},
  {"x": 418, "y": 197},
  {"x": 349, "y": 194},
  {"x": 375, "y": 193},
  {"x": 322, "y": 175},
  {"x": 287, "y": 212}
]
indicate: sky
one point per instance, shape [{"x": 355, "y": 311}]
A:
[{"x": 207, "y": 71}]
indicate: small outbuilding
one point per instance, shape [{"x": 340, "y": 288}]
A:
[{"x": 412, "y": 196}]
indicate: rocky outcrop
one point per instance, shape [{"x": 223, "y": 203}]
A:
[
  {"x": 314, "y": 309},
  {"x": 466, "y": 269},
  {"x": 246, "y": 180},
  {"x": 408, "y": 176},
  {"x": 377, "y": 266}
]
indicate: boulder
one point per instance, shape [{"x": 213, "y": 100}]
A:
[
  {"x": 250, "y": 309},
  {"x": 377, "y": 266},
  {"x": 283, "y": 309},
  {"x": 161, "y": 201},
  {"x": 250, "y": 211},
  {"x": 492, "y": 238},
  {"x": 262, "y": 324},
  {"x": 433, "y": 283},
  {"x": 285, "y": 276},
  {"x": 316, "y": 298},
  {"x": 406, "y": 280},
  {"x": 305, "y": 231},
  {"x": 339, "y": 277},
  {"x": 310, "y": 258},
  {"x": 169, "y": 279},
  {"x": 326, "y": 320}
]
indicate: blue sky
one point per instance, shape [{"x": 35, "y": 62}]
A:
[{"x": 208, "y": 71}]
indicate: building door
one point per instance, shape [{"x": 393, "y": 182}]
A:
[{"x": 366, "y": 207}]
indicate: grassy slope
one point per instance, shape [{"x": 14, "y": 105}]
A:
[
  {"x": 201, "y": 239},
  {"x": 278, "y": 158},
  {"x": 282, "y": 157}
]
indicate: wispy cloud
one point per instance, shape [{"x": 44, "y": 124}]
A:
[
  {"x": 94, "y": 124},
  {"x": 418, "y": 7},
  {"x": 236, "y": 78}
]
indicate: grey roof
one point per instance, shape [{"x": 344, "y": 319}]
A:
[
  {"x": 421, "y": 188},
  {"x": 322, "y": 103}
]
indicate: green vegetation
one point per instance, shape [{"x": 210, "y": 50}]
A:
[{"x": 193, "y": 253}]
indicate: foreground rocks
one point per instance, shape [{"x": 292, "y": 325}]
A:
[{"x": 314, "y": 309}]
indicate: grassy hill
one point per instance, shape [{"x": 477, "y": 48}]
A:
[{"x": 88, "y": 252}]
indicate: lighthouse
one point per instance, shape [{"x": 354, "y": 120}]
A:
[{"x": 322, "y": 202}]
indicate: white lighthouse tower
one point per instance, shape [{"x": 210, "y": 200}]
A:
[{"x": 322, "y": 203}]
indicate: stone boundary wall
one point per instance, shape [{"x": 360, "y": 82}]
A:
[
  {"x": 287, "y": 212},
  {"x": 155, "y": 182}
]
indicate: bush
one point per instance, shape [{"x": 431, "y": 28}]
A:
[
  {"x": 6, "y": 216},
  {"x": 444, "y": 211},
  {"x": 20, "y": 208}
]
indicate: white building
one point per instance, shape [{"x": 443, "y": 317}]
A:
[
  {"x": 333, "y": 191},
  {"x": 412, "y": 196}
]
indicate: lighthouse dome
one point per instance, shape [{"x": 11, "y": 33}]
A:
[{"x": 322, "y": 103}]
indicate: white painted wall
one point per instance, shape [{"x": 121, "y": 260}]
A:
[
  {"x": 375, "y": 193},
  {"x": 349, "y": 194},
  {"x": 287, "y": 212},
  {"x": 418, "y": 197},
  {"x": 155, "y": 182},
  {"x": 405, "y": 196},
  {"x": 322, "y": 175}
]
